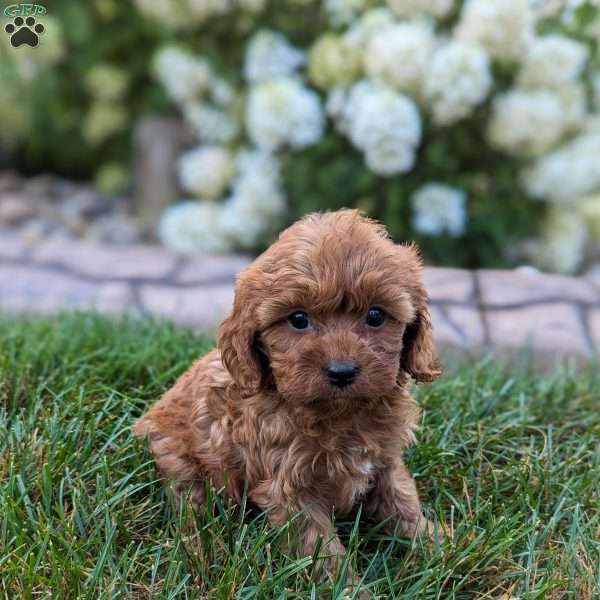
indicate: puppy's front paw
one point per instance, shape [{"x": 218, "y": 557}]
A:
[
  {"x": 194, "y": 491},
  {"x": 432, "y": 531},
  {"x": 435, "y": 530},
  {"x": 420, "y": 528},
  {"x": 353, "y": 594}
]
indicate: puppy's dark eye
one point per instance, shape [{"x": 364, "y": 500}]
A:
[
  {"x": 375, "y": 317},
  {"x": 299, "y": 320}
]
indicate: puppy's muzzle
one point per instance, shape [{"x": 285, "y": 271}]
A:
[{"x": 341, "y": 372}]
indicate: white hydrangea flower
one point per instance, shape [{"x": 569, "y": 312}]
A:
[
  {"x": 551, "y": 61},
  {"x": 283, "y": 112},
  {"x": 399, "y": 55},
  {"x": 269, "y": 56},
  {"x": 571, "y": 171},
  {"x": 596, "y": 88},
  {"x": 573, "y": 98},
  {"x": 106, "y": 82},
  {"x": 257, "y": 201},
  {"x": 526, "y": 123},
  {"x": 202, "y": 10},
  {"x": 384, "y": 124},
  {"x": 345, "y": 104},
  {"x": 167, "y": 12},
  {"x": 255, "y": 159},
  {"x": 183, "y": 75},
  {"x": 370, "y": 23},
  {"x": 102, "y": 120},
  {"x": 562, "y": 243},
  {"x": 544, "y": 9},
  {"x": 212, "y": 125},
  {"x": 262, "y": 164},
  {"x": 193, "y": 227},
  {"x": 591, "y": 123},
  {"x": 242, "y": 226},
  {"x": 439, "y": 208},
  {"x": 412, "y": 8},
  {"x": 221, "y": 91},
  {"x": 253, "y": 210},
  {"x": 333, "y": 62},
  {"x": 206, "y": 171},
  {"x": 344, "y": 12},
  {"x": 336, "y": 108},
  {"x": 503, "y": 27},
  {"x": 458, "y": 79}
]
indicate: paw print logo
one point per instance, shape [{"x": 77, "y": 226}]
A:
[{"x": 24, "y": 32}]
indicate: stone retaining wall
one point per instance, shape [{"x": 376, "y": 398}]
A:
[{"x": 553, "y": 315}]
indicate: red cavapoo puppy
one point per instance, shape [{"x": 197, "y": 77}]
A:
[{"x": 305, "y": 400}]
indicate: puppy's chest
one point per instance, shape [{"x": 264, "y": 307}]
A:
[
  {"x": 352, "y": 461},
  {"x": 362, "y": 462},
  {"x": 344, "y": 476}
]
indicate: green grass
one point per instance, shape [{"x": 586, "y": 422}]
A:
[{"x": 509, "y": 459}]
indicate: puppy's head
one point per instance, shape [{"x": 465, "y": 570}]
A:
[{"x": 332, "y": 311}]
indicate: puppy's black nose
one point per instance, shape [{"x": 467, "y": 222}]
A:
[{"x": 341, "y": 372}]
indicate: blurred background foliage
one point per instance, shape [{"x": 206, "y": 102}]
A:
[
  {"x": 333, "y": 175},
  {"x": 70, "y": 107},
  {"x": 47, "y": 103}
]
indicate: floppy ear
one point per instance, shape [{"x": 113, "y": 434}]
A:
[
  {"x": 237, "y": 343},
  {"x": 419, "y": 356}
]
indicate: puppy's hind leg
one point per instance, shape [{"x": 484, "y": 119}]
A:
[{"x": 174, "y": 460}]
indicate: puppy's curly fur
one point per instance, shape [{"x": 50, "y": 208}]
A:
[{"x": 261, "y": 411}]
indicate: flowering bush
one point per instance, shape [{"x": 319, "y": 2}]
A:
[{"x": 471, "y": 126}]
